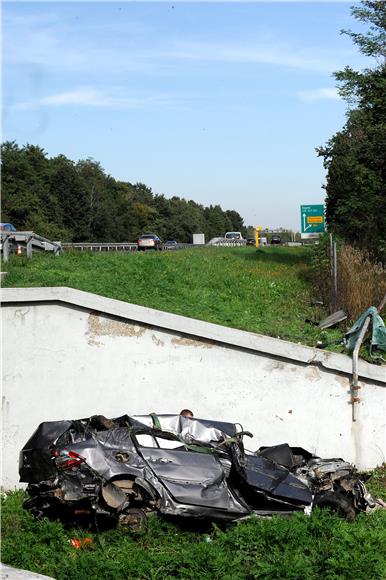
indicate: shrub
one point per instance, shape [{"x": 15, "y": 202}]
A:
[{"x": 361, "y": 281}]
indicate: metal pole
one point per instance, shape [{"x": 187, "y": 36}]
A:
[
  {"x": 331, "y": 259},
  {"x": 355, "y": 379},
  {"x": 335, "y": 277},
  {"x": 355, "y": 356},
  {"x": 29, "y": 247},
  {"x": 5, "y": 248}
]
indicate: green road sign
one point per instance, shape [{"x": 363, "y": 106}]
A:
[{"x": 311, "y": 220}]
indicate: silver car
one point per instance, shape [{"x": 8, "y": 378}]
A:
[{"x": 123, "y": 469}]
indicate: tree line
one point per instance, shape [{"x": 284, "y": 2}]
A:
[
  {"x": 355, "y": 157},
  {"x": 78, "y": 202}
]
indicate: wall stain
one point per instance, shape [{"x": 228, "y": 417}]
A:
[
  {"x": 157, "y": 340},
  {"x": 312, "y": 373},
  {"x": 103, "y": 326},
  {"x": 21, "y": 313},
  {"x": 344, "y": 381},
  {"x": 184, "y": 341},
  {"x": 276, "y": 365}
]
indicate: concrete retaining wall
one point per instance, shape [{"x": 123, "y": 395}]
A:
[{"x": 70, "y": 354}]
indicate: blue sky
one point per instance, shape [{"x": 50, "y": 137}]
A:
[{"x": 216, "y": 102}]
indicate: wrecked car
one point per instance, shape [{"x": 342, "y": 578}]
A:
[{"x": 124, "y": 469}]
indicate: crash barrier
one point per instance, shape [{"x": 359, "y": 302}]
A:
[
  {"x": 100, "y": 247},
  {"x": 225, "y": 242},
  {"x": 119, "y": 247},
  {"x": 27, "y": 242},
  {"x": 72, "y": 354},
  {"x": 182, "y": 246}
]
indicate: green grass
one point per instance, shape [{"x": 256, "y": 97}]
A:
[
  {"x": 266, "y": 291},
  {"x": 300, "y": 547}
]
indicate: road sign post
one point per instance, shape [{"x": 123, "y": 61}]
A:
[
  {"x": 257, "y": 231},
  {"x": 311, "y": 221}
]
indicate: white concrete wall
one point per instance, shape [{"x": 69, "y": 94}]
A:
[{"x": 69, "y": 354}]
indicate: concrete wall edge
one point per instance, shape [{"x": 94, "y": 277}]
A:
[{"x": 193, "y": 327}]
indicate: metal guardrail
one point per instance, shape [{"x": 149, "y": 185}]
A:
[
  {"x": 168, "y": 247},
  {"x": 121, "y": 247},
  {"x": 100, "y": 247},
  {"x": 226, "y": 242},
  {"x": 10, "y": 241},
  {"x": 31, "y": 241}
]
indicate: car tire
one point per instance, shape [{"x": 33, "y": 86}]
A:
[
  {"x": 337, "y": 503},
  {"x": 133, "y": 519}
]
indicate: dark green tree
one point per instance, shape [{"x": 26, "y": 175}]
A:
[
  {"x": 236, "y": 221},
  {"x": 355, "y": 156},
  {"x": 27, "y": 200},
  {"x": 66, "y": 185},
  {"x": 80, "y": 202},
  {"x": 217, "y": 222}
]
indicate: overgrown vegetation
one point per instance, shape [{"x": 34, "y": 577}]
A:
[
  {"x": 266, "y": 291},
  {"x": 60, "y": 199},
  {"x": 361, "y": 280},
  {"x": 320, "y": 546},
  {"x": 355, "y": 156}
]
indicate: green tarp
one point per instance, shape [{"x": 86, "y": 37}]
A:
[{"x": 378, "y": 335}]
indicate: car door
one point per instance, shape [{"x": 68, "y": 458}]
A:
[{"x": 190, "y": 477}]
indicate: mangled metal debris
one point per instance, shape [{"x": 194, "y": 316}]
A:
[
  {"x": 332, "y": 320},
  {"x": 124, "y": 469}
]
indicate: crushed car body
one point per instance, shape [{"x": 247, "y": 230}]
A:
[{"x": 126, "y": 468}]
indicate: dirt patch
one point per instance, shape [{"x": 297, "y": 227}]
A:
[
  {"x": 102, "y": 326},
  {"x": 184, "y": 341}
]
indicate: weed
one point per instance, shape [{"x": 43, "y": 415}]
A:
[{"x": 361, "y": 282}]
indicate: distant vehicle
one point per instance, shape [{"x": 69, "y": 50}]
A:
[
  {"x": 149, "y": 241},
  {"x": 233, "y": 236},
  {"x": 275, "y": 239},
  {"x": 5, "y": 227},
  {"x": 170, "y": 244},
  {"x": 252, "y": 241}
]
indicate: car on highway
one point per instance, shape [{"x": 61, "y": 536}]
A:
[
  {"x": 275, "y": 239},
  {"x": 170, "y": 245},
  {"x": 7, "y": 227},
  {"x": 149, "y": 241},
  {"x": 127, "y": 468}
]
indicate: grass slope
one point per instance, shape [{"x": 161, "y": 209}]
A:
[
  {"x": 300, "y": 547},
  {"x": 266, "y": 291}
]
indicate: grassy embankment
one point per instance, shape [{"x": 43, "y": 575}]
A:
[{"x": 266, "y": 291}]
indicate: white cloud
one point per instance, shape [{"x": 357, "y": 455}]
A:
[
  {"x": 91, "y": 97},
  {"x": 47, "y": 41},
  {"x": 262, "y": 51},
  {"x": 327, "y": 93},
  {"x": 61, "y": 45}
]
